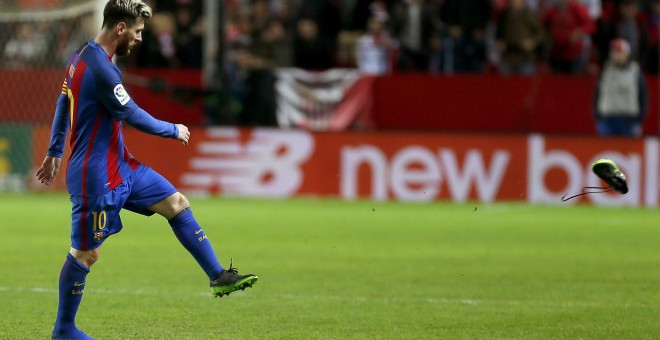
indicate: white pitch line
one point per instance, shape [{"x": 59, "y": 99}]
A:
[
  {"x": 101, "y": 291},
  {"x": 359, "y": 299}
]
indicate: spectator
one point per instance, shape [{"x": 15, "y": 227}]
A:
[
  {"x": 277, "y": 46},
  {"x": 466, "y": 42},
  {"x": 251, "y": 89},
  {"x": 189, "y": 37},
  {"x": 361, "y": 11},
  {"x": 69, "y": 35},
  {"x": 518, "y": 35},
  {"x": 357, "y": 15},
  {"x": 195, "y": 6},
  {"x": 325, "y": 15},
  {"x": 620, "y": 95},
  {"x": 158, "y": 48},
  {"x": 26, "y": 47},
  {"x": 259, "y": 16},
  {"x": 534, "y": 5},
  {"x": 605, "y": 30},
  {"x": 179, "y": 28},
  {"x": 285, "y": 13},
  {"x": 259, "y": 103},
  {"x": 568, "y": 25},
  {"x": 621, "y": 19},
  {"x": 628, "y": 26},
  {"x": 413, "y": 26},
  {"x": 310, "y": 50},
  {"x": 650, "y": 21},
  {"x": 594, "y": 7},
  {"x": 373, "y": 48},
  {"x": 589, "y": 52},
  {"x": 227, "y": 112},
  {"x": 270, "y": 39},
  {"x": 239, "y": 29}
]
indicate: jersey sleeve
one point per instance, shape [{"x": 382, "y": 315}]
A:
[
  {"x": 112, "y": 94},
  {"x": 144, "y": 122},
  {"x": 60, "y": 124}
]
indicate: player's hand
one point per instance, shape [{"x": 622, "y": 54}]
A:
[
  {"x": 184, "y": 134},
  {"x": 48, "y": 170}
]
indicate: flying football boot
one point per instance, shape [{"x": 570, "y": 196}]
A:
[
  {"x": 607, "y": 170},
  {"x": 230, "y": 281}
]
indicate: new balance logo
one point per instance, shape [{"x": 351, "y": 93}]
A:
[{"x": 253, "y": 163}]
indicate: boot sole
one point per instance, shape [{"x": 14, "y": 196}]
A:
[{"x": 247, "y": 282}]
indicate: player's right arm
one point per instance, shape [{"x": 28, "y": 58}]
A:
[
  {"x": 49, "y": 169},
  {"x": 51, "y": 164}
]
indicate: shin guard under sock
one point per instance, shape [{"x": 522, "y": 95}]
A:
[
  {"x": 71, "y": 287},
  {"x": 193, "y": 238}
]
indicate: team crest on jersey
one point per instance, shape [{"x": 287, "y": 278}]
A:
[
  {"x": 98, "y": 236},
  {"x": 121, "y": 94}
]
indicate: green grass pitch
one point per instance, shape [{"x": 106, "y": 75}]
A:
[{"x": 330, "y": 269}]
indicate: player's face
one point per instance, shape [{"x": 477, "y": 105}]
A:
[{"x": 131, "y": 37}]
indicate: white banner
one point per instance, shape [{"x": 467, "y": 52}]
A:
[{"x": 320, "y": 100}]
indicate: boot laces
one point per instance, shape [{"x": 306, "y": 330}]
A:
[{"x": 232, "y": 269}]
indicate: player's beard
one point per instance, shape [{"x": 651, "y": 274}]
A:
[{"x": 123, "y": 48}]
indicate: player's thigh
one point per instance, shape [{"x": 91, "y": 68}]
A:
[
  {"x": 93, "y": 219},
  {"x": 148, "y": 190}
]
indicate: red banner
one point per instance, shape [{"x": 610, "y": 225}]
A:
[
  {"x": 544, "y": 103},
  {"x": 548, "y": 104},
  {"x": 395, "y": 166},
  {"x": 31, "y": 95}
]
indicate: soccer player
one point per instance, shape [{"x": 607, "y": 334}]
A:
[{"x": 102, "y": 176}]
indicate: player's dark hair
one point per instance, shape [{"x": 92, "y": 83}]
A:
[{"x": 128, "y": 11}]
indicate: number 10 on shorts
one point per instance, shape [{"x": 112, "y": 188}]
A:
[{"x": 100, "y": 219}]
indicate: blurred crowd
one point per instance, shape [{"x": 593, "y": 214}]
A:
[
  {"x": 42, "y": 44},
  {"x": 434, "y": 36},
  {"x": 376, "y": 36}
]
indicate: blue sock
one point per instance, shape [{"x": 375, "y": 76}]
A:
[
  {"x": 72, "y": 284},
  {"x": 193, "y": 238}
]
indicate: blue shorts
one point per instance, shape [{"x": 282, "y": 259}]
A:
[{"x": 93, "y": 219}]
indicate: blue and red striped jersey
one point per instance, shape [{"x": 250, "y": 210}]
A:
[{"x": 97, "y": 103}]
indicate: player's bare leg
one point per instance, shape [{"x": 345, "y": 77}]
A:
[
  {"x": 86, "y": 257},
  {"x": 176, "y": 209}
]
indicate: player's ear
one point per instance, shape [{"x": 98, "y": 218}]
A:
[{"x": 121, "y": 28}]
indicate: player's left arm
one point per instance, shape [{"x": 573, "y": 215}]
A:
[
  {"x": 114, "y": 97},
  {"x": 144, "y": 122}
]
